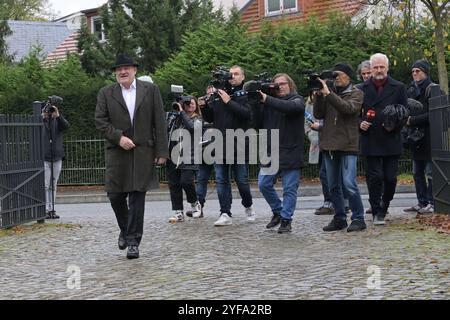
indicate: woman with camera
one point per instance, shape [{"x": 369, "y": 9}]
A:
[{"x": 180, "y": 167}]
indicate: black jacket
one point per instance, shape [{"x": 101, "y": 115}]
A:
[
  {"x": 377, "y": 141},
  {"x": 236, "y": 114},
  {"x": 53, "y": 129},
  {"x": 422, "y": 149},
  {"x": 288, "y": 115},
  {"x": 182, "y": 121}
]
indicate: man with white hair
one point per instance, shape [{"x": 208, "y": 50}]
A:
[{"x": 380, "y": 144}]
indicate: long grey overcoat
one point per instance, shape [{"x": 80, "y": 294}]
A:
[{"x": 132, "y": 170}]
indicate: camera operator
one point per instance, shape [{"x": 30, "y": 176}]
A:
[
  {"x": 54, "y": 126},
  {"x": 181, "y": 175},
  {"x": 286, "y": 113},
  {"x": 231, "y": 112},
  {"x": 340, "y": 107}
]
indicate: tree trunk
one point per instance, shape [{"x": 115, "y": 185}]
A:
[{"x": 440, "y": 52}]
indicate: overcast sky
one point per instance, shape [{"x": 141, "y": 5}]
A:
[{"x": 64, "y": 7}]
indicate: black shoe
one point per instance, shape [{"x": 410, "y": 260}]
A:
[
  {"x": 285, "y": 226},
  {"x": 369, "y": 211},
  {"x": 133, "y": 252},
  {"x": 122, "y": 242},
  {"x": 51, "y": 215},
  {"x": 276, "y": 219},
  {"x": 357, "y": 225},
  {"x": 378, "y": 219},
  {"x": 348, "y": 210},
  {"x": 336, "y": 224}
]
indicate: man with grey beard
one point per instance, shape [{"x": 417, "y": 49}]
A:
[{"x": 380, "y": 144}]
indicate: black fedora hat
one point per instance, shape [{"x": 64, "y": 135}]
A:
[{"x": 123, "y": 60}]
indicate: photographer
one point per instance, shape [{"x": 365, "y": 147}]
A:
[
  {"x": 340, "y": 107},
  {"x": 231, "y": 112},
  {"x": 285, "y": 113},
  {"x": 54, "y": 125},
  {"x": 181, "y": 175}
]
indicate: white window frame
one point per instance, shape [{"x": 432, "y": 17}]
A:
[
  {"x": 93, "y": 18},
  {"x": 281, "y": 10}
]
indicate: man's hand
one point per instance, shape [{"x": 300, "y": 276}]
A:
[
  {"x": 160, "y": 161},
  {"x": 325, "y": 91},
  {"x": 365, "y": 125},
  {"x": 126, "y": 143},
  {"x": 224, "y": 96}
]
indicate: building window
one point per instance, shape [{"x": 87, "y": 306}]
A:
[
  {"x": 277, "y": 7},
  {"x": 97, "y": 28}
]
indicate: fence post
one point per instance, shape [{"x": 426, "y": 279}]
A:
[{"x": 439, "y": 117}]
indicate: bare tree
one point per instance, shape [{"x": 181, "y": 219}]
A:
[{"x": 439, "y": 10}]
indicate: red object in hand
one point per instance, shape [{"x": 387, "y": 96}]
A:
[{"x": 370, "y": 115}]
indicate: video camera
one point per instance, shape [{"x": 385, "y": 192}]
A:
[
  {"x": 313, "y": 79},
  {"x": 49, "y": 105},
  {"x": 221, "y": 76},
  {"x": 263, "y": 83},
  {"x": 177, "y": 92}
]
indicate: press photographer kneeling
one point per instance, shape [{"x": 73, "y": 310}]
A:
[{"x": 54, "y": 125}]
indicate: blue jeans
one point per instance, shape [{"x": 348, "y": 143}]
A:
[
  {"x": 203, "y": 174},
  {"x": 323, "y": 179},
  {"x": 290, "y": 180},
  {"x": 240, "y": 172},
  {"x": 341, "y": 175},
  {"x": 422, "y": 171}
]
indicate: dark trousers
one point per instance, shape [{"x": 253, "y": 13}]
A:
[
  {"x": 323, "y": 179},
  {"x": 130, "y": 216},
  {"x": 381, "y": 179},
  {"x": 179, "y": 180},
  {"x": 422, "y": 170}
]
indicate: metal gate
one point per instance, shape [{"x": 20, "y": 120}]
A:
[
  {"x": 439, "y": 114},
  {"x": 22, "y": 195}
]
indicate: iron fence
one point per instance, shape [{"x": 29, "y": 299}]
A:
[
  {"x": 439, "y": 114},
  {"x": 85, "y": 164}
]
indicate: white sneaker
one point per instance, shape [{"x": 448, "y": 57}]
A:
[
  {"x": 196, "y": 210},
  {"x": 426, "y": 210},
  {"x": 177, "y": 217},
  {"x": 251, "y": 215},
  {"x": 224, "y": 220}
]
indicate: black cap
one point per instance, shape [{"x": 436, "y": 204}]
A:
[
  {"x": 422, "y": 65},
  {"x": 345, "y": 68},
  {"x": 123, "y": 60}
]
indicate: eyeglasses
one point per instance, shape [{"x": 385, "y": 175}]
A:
[{"x": 416, "y": 71}]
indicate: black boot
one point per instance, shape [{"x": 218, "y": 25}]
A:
[
  {"x": 276, "y": 219},
  {"x": 336, "y": 224},
  {"x": 285, "y": 226}
]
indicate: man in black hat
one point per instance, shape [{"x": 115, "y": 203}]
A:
[
  {"x": 340, "y": 107},
  {"x": 131, "y": 117},
  {"x": 421, "y": 149},
  {"x": 381, "y": 146}
]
